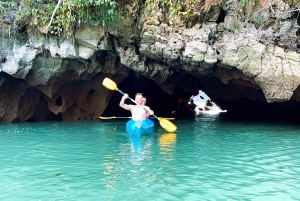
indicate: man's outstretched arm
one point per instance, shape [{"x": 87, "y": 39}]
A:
[{"x": 122, "y": 103}]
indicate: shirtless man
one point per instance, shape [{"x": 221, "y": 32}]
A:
[{"x": 138, "y": 112}]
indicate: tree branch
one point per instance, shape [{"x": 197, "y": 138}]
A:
[{"x": 46, "y": 29}]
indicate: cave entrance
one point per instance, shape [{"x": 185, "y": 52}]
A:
[{"x": 239, "y": 100}]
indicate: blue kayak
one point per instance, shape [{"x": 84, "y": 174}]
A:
[{"x": 139, "y": 128}]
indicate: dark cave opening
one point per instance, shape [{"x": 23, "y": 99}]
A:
[
  {"x": 241, "y": 99},
  {"x": 238, "y": 107}
]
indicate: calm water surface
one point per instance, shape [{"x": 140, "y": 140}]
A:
[{"x": 210, "y": 158}]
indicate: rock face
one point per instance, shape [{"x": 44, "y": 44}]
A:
[{"x": 45, "y": 77}]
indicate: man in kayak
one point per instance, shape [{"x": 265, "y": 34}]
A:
[{"x": 138, "y": 112}]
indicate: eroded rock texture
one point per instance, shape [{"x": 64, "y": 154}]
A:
[{"x": 252, "y": 53}]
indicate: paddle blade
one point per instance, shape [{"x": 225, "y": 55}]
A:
[
  {"x": 168, "y": 118},
  {"x": 109, "y": 84},
  {"x": 167, "y": 125}
]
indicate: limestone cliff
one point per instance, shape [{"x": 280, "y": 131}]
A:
[{"x": 47, "y": 77}]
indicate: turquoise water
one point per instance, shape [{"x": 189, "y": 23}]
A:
[{"x": 210, "y": 158}]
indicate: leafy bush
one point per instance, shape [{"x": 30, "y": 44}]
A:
[
  {"x": 5, "y": 5},
  {"x": 68, "y": 14}
]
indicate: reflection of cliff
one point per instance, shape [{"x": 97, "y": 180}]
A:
[
  {"x": 167, "y": 143},
  {"x": 234, "y": 57}
]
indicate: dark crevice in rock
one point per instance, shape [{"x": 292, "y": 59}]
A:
[
  {"x": 298, "y": 18},
  {"x": 221, "y": 17},
  {"x": 3, "y": 59},
  {"x": 101, "y": 57},
  {"x": 137, "y": 50},
  {"x": 298, "y": 33},
  {"x": 58, "y": 101},
  {"x": 90, "y": 94},
  {"x": 298, "y": 40},
  {"x": 22, "y": 35}
]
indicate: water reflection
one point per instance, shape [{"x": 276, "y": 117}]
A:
[
  {"x": 167, "y": 139},
  {"x": 167, "y": 144},
  {"x": 139, "y": 146}
]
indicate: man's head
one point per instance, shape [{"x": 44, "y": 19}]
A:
[
  {"x": 144, "y": 100},
  {"x": 139, "y": 98}
]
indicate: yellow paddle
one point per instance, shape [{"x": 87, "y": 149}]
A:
[
  {"x": 114, "y": 117},
  {"x": 166, "y": 124}
]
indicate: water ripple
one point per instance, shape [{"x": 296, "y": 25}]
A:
[{"x": 207, "y": 159}]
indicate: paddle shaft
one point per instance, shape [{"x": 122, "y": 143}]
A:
[
  {"x": 114, "y": 117},
  {"x": 168, "y": 118}
]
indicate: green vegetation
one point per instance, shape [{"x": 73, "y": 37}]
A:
[
  {"x": 175, "y": 8},
  {"x": 249, "y": 2},
  {"x": 68, "y": 13},
  {"x": 63, "y": 16},
  {"x": 4, "y": 5}
]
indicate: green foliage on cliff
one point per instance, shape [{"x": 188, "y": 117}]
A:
[
  {"x": 69, "y": 14},
  {"x": 176, "y": 8},
  {"x": 4, "y": 5},
  {"x": 244, "y": 2},
  {"x": 63, "y": 15}
]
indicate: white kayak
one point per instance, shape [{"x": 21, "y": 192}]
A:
[{"x": 204, "y": 105}]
